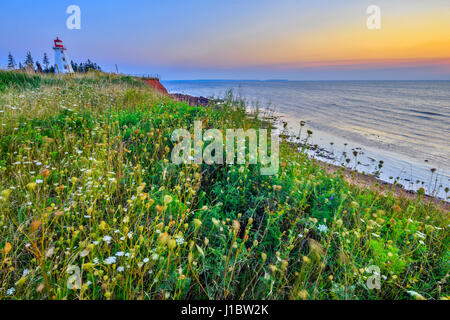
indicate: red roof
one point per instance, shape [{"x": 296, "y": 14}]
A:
[{"x": 58, "y": 43}]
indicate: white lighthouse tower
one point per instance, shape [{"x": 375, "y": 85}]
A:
[{"x": 62, "y": 63}]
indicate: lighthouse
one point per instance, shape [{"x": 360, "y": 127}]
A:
[{"x": 62, "y": 63}]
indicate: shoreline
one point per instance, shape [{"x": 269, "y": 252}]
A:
[
  {"x": 352, "y": 176},
  {"x": 355, "y": 177},
  {"x": 371, "y": 182}
]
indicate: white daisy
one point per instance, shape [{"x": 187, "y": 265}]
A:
[{"x": 110, "y": 260}]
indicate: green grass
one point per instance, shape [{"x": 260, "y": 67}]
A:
[
  {"x": 85, "y": 175},
  {"x": 18, "y": 80}
]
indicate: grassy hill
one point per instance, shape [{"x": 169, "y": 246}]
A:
[{"x": 91, "y": 207}]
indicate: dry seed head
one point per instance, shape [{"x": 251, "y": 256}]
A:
[
  {"x": 172, "y": 244},
  {"x": 197, "y": 223},
  {"x": 303, "y": 295},
  {"x": 264, "y": 257},
  {"x": 236, "y": 226},
  {"x": 35, "y": 225},
  {"x": 164, "y": 238}
]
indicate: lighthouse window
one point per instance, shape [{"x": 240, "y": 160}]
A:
[
  {"x": 64, "y": 59},
  {"x": 65, "y": 67},
  {"x": 62, "y": 51}
]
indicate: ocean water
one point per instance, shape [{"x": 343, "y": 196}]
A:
[{"x": 406, "y": 124}]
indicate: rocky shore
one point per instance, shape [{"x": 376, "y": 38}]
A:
[{"x": 194, "y": 101}]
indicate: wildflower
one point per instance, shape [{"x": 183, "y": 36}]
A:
[
  {"x": 39, "y": 181},
  {"x": 420, "y": 235},
  {"x": 164, "y": 238},
  {"x": 87, "y": 266},
  {"x": 180, "y": 241},
  {"x": 172, "y": 244},
  {"x": 120, "y": 269},
  {"x": 303, "y": 294},
  {"x": 10, "y": 291},
  {"x": 45, "y": 173},
  {"x": 120, "y": 254},
  {"x": 5, "y": 194},
  {"x": 110, "y": 260},
  {"x": 31, "y": 186},
  {"x": 146, "y": 260},
  {"x": 215, "y": 222},
  {"x": 107, "y": 239},
  {"x": 167, "y": 199},
  {"x": 322, "y": 228},
  {"x": 416, "y": 295}
]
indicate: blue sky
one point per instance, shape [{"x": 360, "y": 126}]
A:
[{"x": 251, "y": 39}]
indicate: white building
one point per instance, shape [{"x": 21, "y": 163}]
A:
[{"x": 62, "y": 63}]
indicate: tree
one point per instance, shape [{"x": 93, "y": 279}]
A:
[
  {"x": 85, "y": 67},
  {"x": 46, "y": 62},
  {"x": 74, "y": 66},
  {"x": 39, "y": 67},
  {"x": 29, "y": 62},
  {"x": 11, "y": 62}
]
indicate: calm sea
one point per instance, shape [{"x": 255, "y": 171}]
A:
[{"x": 406, "y": 124}]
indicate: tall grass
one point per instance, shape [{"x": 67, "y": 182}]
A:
[
  {"x": 92, "y": 208},
  {"x": 9, "y": 79}
]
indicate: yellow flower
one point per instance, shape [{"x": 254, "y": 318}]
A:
[
  {"x": 172, "y": 244},
  {"x": 87, "y": 266},
  {"x": 103, "y": 225},
  {"x": 5, "y": 194},
  {"x": 31, "y": 186}
]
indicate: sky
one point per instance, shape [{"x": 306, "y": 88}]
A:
[{"x": 239, "y": 39}]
